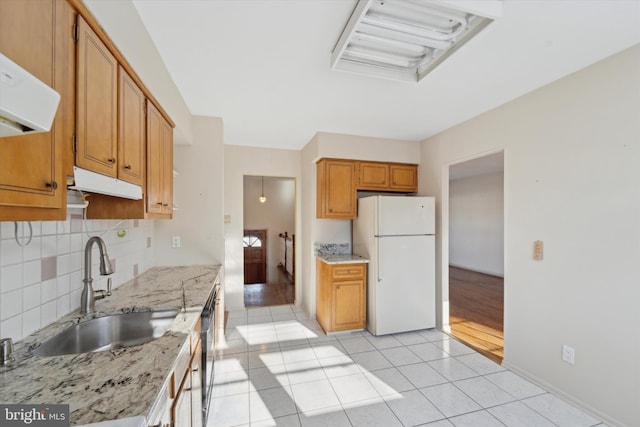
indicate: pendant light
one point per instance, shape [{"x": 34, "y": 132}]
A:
[{"x": 262, "y": 197}]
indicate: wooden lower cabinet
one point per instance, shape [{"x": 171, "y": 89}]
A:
[
  {"x": 341, "y": 295},
  {"x": 187, "y": 404}
]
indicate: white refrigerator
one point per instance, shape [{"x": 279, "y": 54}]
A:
[{"x": 397, "y": 234}]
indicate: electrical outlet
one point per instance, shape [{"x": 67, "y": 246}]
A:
[
  {"x": 175, "y": 242},
  {"x": 568, "y": 354}
]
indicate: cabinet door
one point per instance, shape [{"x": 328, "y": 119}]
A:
[
  {"x": 32, "y": 178},
  {"x": 404, "y": 177},
  {"x": 167, "y": 167},
  {"x": 373, "y": 176},
  {"x": 97, "y": 104},
  {"x": 131, "y": 130},
  {"x": 196, "y": 387},
  {"x": 182, "y": 406},
  {"x": 154, "y": 160},
  {"x": 159, "y": 163},
  {"x": 336, "y": 189},
  {"x": 348, "y": 303}
]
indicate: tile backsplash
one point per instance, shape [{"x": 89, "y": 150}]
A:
[{"x": 42, "y": 281}]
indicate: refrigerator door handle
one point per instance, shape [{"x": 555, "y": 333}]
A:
[{"x": 378, "y": 258}]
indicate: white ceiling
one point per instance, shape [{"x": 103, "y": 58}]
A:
[{"x": 263, "y": 66}]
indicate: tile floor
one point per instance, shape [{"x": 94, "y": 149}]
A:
[{"x": 278, "y": 368}]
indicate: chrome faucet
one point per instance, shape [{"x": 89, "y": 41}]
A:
[{"x": 89, "y": 296}]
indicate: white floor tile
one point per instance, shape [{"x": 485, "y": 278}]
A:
[
  {"x": 453, "y": 347},
  {"x": 353, "y": 388},
  {"x": 421, "y": 375},
  {"x": 433, "y": 335},
  {"x": 480, "y": 363},
  {"x": 357, "y": 345},
  {"x": 271, "y": 403},
  {"x": 389, "y": 382},
  {"x": 476, "y": 419},
  {"x": 275, "y": 370},
  {"x": 288, "y": 421},
  {"x": 449, "y": 399},
  {"x": 265, "y": 358},
  {"x": 298, "y": 354},
  {"x": 516, "y": 414},
  {"x": 413, "y": 408},
  {"x": 400, "y": 356},
  {"x": 452, "y": 370},
  {"x": 515, "y": 385},
  {"x": 374, "y": 414},
  {"x": 328, "y": 349},
  {"x": 264, "y": 378},
  {"x": 485, "y": 393},
  {"x": 307, "y": 371},
  {"x": 229, "y": 411},
  {"x": 314, "y": 395},
  {"x": 559, "y": 411},
  {"x": 428, "y": 351},
  {"x": 339, "y": 366},
  {"x": 332, "y": 417},
  {"x": 385, "y": 341},
  {"x": 371, "y": 360}
]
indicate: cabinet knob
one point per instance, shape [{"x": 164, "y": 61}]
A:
[
  {"x": 159, "y": 203},
  {"x": 330, "y": 210},
  {"x": 128, "y": 167},
  {"x": 111, "y": 160},
  {"x": 165, "y": 204},
  {"x": 52, "y": 184}
]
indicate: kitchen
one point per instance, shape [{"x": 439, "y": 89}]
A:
[{"x": 209, "y": 159}]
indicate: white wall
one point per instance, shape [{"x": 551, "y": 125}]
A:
[
  {"x": 342, "y": 146},
  {"x": 571, "y": 180},
  {"x": 198, "y": 195},
  {"x": 42, "y": 282},
  {"x": 476, "y": 223},
  {"x": 276, "y": 215},
  {"x": 238, "y": 162}
]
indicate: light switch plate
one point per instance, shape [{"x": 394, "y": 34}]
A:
[{"x": 537, "y": 250}]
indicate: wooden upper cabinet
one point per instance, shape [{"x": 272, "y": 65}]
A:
[
  {"x": 131, "y": 130},
  {"x": 97, "y": 103},
  {"x": 373, "y": 176},
  {"x": 379, "y": 176},
  {"x": 37, "y": 36},
  {"x": 336, "y": 191},
  {"x": 403, "y": 177},
  {"x": 159, "y": 197}
]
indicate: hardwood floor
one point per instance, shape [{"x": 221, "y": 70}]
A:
[
  {"x": 476, "y": 310},
  {"x": 269, "y": 294}
]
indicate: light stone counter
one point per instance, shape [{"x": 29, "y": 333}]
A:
[
  {"x": 118, "y": 383},
  {"x": 343, "y": 259}
]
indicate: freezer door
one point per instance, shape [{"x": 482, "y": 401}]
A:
[
  {"x": 402, "y": 216},
  {"x": 405, "y": 284}
]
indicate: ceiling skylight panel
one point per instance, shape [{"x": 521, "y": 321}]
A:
[{"x": 405, "y": 39}]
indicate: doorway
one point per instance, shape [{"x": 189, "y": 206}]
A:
[
  {"x": 476, "y": 253},
  {"x": 269, "y": 241}
]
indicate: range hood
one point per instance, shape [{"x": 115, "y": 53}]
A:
[
  {"x": 27, "y": 105},
  {"x": 85, "y": 180}
]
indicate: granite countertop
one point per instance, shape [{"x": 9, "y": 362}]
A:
[
  {"x": 342, "y": 259},
  {"x": 119, "y": 383}
]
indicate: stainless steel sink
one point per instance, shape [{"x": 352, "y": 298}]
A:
[{"x": 109, "y": 332}]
